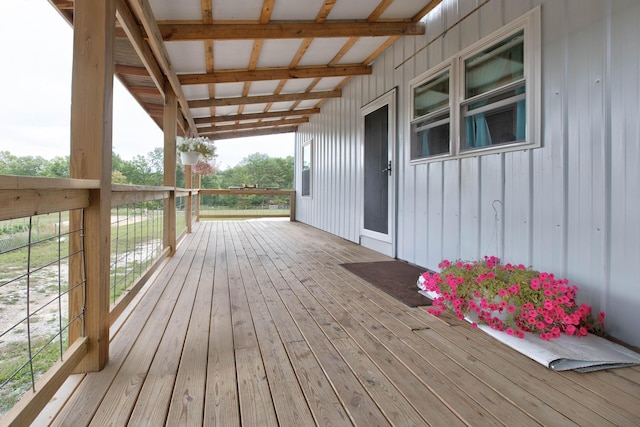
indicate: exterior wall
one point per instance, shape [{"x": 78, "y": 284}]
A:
[{"x": 570, "y": 207}]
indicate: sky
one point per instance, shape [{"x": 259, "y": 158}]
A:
[{"x": 36, "y": 76}]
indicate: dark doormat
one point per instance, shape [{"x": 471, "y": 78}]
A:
[{"x": 396, "y": 278}]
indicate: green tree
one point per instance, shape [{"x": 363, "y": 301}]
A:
[
  {"x": 24, "y": 165},
  {"x": 118, "y": 178},
  {"x": 257, "y": 168},
  {"x": 58, "y": 167}
]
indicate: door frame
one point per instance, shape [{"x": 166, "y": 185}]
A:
[{"x": 384, "y": 243}]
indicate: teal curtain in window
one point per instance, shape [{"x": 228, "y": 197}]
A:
[{"x": 478, "y": 134}]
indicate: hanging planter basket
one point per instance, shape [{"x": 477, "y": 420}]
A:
[{"x": 190, "y": 157}]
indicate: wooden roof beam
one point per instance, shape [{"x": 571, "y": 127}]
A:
[
  {"x": 130, "y": 70},
  {"x": 135, "y": 36},
  {"x": 243, "y": 100},
  {"x": 288, "y": 30},
  {"x": 259, "y": 132},
  {"x": 275, "y": 74},
  {"x": 256, "y": 116},
  {"x": 142, "y": 11},
  {"x": 253, "y": 125},
  {"x": 63, "y": 4}
]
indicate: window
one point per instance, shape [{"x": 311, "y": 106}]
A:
[
  {"x": 483, "y": 99},
  {"x": 431, "y": 106},
  {"x": 306, "y": 169},
  {"x": 494, "y": 108}
]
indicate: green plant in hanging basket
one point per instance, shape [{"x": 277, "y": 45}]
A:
[{"x": 198, "y": 144}]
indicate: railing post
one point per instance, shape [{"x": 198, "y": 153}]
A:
[
  {"x": 91, "y": 144},
  {"x": 189, "y": 202},
  {"x": 170, "y": 126},
  {"x": 197, "y": 185},
  {"x": 292, "y": 205}
]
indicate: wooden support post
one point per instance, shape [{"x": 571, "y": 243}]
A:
[
  {"x": 189, "y": 202},
  {"x": 292, "y": 205},
  {"x": 197, "y": 185},
  {"x": 170, "y": 130},
  {"x": 91, "y": 132}
]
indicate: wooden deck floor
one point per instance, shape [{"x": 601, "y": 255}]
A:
[{"x": 255, "y": 323}]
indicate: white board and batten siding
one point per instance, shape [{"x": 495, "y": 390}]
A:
[{"x": 571, "y": 207}]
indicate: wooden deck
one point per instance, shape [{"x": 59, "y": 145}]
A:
[{"x": 255, "y": 323}]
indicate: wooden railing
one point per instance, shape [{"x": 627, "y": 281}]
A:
[
  {"x": 23, "y": 197},
  {"x": 249, "y": 209}
]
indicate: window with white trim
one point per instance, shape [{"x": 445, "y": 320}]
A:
[
  {"x": 483, "y": 99},
  {"x": 306, "y": 169}
]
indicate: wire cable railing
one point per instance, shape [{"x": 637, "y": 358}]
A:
[
  {"x": 136, "y": 242},
  {"x": 34, "y": 295}
]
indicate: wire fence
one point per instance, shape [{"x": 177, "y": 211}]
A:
[
  {"x": 248, "y": 205},
  {"x": 35, "y": 293},
  {"x": 181, "y": 217},
  {"x": 136, "y": 242}
]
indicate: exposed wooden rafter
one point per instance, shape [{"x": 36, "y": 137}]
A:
[
  {"x": 243, "y": 100},
  {"x": 288, "y": 30},
  {"x": 256, "y": 116},
  {"x": 131, "y": 70},
  {"x": 257, "y": 132},
  {"x": 233, "y": 76},
  {"x": 142, "y": 11},
  {"x": 254, "y": 125}
]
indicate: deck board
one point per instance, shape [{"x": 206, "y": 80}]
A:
[{"x": 254, "y": 323}]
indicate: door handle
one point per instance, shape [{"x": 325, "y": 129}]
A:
[{"x": 387, "y": 170}]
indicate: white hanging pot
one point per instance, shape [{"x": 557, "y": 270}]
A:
[{"x": 190, "y": 157}]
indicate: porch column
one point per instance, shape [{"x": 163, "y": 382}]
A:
[
  {"x": 188, "y": 184},
  {"x": 169, "y": 122},
  {"x": 91, "y": 132},
  {"x": 197, "y": 185}
]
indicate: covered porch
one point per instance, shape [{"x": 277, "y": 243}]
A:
[{"x": 256, "y": 323}]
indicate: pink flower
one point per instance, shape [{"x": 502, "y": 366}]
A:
[
  {"x": 511, "y": 308},
  {"x": 510, "y": 331},
  {"x": 570, "y": 330},
  {"x": 540, "y": 325},
  {"x": 444, "y": 264}
]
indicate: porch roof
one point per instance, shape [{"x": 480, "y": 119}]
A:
[
  {"x": 254, "y": 67},
  {"x": 256, "y": 323}
]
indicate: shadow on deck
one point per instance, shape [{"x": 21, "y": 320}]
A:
[{"x": 255, "y": 323}]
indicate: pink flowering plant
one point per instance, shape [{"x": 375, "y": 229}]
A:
[{"x": 510, "y": 298}]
